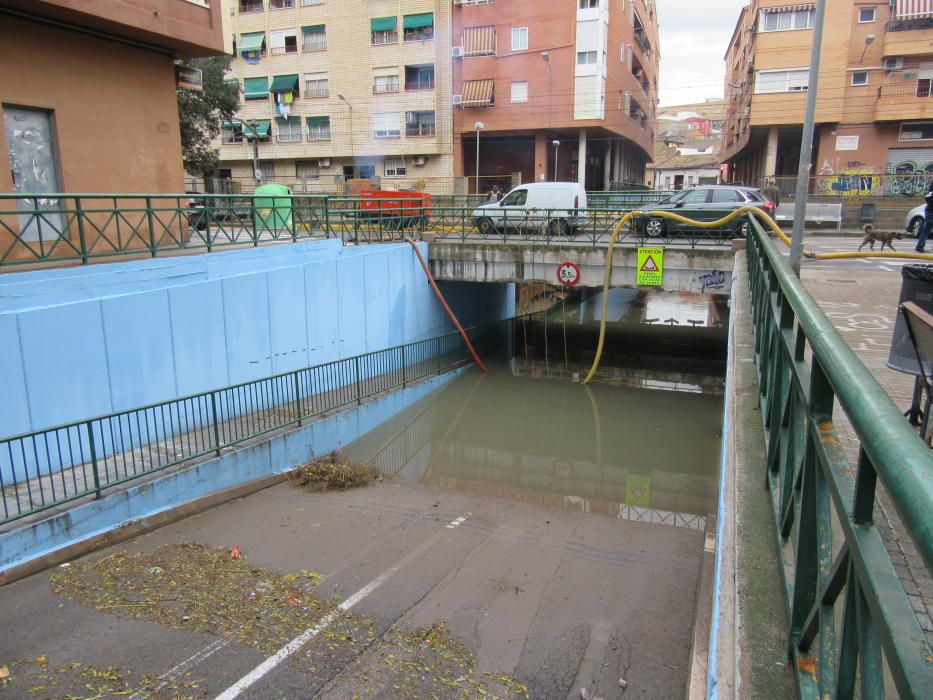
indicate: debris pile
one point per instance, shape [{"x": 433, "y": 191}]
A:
[{"x": 332, "y": 473}]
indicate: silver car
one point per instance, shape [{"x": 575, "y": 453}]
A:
[{"x": 914, "y": 220}]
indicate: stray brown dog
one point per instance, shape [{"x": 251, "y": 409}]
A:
[{"x": 884, "y": 237}]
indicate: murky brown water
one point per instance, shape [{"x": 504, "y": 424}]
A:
[{"x": 635, "y": 453}]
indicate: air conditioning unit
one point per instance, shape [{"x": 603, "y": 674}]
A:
[
  {"x": 456, "y": 52},
  {"x": 751, "y": 59},
  {"x": 457, "y": 100},
  {"x": 419, "y": 160},
  {"x": 323, "y": 162},
  {"x": 893, "y": 63}
]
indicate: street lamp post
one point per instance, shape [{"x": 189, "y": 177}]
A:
[
  {"x": 546, "y": 57},
  {"x": 352, "y": 155},
  {"x": 253, "y": 126},
  {"x": 479, "y": 126},
  {"x": 556, "y": 151}
]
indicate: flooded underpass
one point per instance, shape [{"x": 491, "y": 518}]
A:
[{"x": 532, "y": 537}]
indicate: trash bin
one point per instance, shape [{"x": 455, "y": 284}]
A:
[
  {"x": 273, "y": 204},
  {"x": 916, "y": 286}
]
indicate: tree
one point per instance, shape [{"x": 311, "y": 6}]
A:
[{"x": 200, "y": 113}]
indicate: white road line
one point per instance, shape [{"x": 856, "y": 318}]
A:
[
  {"x": 454, "y": 523},
  {"x": 180, "y": 669},
  {"x": 278, "y": 657}
]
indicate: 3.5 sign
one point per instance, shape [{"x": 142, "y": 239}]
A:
[{"x": 568, "y": 274}]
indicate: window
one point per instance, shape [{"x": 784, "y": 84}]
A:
[
  {"x": 520, "y": 91},
  {"x": 793, "y": 80},
  {"x": 860, "y": 77},
  {"x": 786, "y": 20},
  {"x": 520, "y": 39},
  {"x": 307, "y": 3},
  {"x": 385, "y": 83},
  {"x": 384, "y": 30},
  {"x": 318, "y": 128},
  {"x": 419, "y": 27},
  {"x": 316, "y": 85},
  {"x": 866, "y": 14},
  {"x": 283, "y": 41},
  {"x": 281, "y": 4},
  {"x": 307, "y": 169},
  {"x": 419, "y": 77},
  {"x": 923, "y": 87},
  {"x": 516, "y": 198},
  {"x": 314, "y": 38},
  {"x": 419, "y": 124},
  {"x": 267, "y": 169},
  {"x": 386, "y": 125},
  {"x": 916, "y": 131},
  {"x": 694, "y": 197},
  {"x": 720, "y": 196},
  {"x": 250, "y": 6},
  {"x": 231, "y": 132},
  {"x": 395, "y": 167},
  {"x": 589, "y": 4},
  {"x": 586, "y": 58},
  {"x": 287, "y": 129}
]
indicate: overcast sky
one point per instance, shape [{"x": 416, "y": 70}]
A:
[{"x": 694, "y": 37}]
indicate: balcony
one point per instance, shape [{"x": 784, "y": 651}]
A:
[
  {"x": 250, "y": 6},
  {"x": 908, "y": 37},
  {"x": 910, "y": 100}
]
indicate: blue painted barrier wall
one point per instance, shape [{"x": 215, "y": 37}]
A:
[{"x": 87, "y": 341}]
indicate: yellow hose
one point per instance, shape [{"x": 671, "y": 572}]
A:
[{"x": 767, "y": 220}]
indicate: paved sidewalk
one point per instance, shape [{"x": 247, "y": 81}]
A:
[{"x": 861, "y": 299}]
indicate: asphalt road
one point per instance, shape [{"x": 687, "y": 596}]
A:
[{"x": 560, "y": 600}]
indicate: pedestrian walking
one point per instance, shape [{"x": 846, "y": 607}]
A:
[
  {"x": 771, "y": 191},
  {"x": 927, "y": 222}
]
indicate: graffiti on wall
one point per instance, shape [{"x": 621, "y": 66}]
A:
[
  {"x": 909, "y": 178},
  {"x": 856, "y": 180}
]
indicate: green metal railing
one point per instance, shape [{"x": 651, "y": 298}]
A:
[
  {"x": 47, "y": 468},
  {"x": 851, "y": 622}
]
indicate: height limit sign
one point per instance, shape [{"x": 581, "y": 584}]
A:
[{"x": 650, "y": 267}]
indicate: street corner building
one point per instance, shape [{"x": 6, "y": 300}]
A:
[
  {"x": 88, "y": 92},
  {"x": 874, "y": 107}
]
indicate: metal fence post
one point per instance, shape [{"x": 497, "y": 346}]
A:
[
  {"x": 327, "y": 230},
  {"x": 93, "y": 448},
  {"x": 215, "y": 421},
  {"x": 359, "y": 390},
  {"x": 297, "y": 396},
  {"x": 81, "y": 239},
  {"x": 291, "y": 203},
  {"x": 404, "y": 374},
  {"x": 149, "y": 218}
]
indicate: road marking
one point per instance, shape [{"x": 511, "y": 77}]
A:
[
  {"x": 454, "y": 523},
  {"x": 180, "y": 669},
  {"x": 278, "y": 657}
]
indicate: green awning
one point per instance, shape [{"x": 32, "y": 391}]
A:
[
  {"x": 255, "y": 88},
  {"x": 262, "y": 128},
  {"x": 418, "y": 21},
  {"x": 251, "y": 42},
  {"x": 311, "y": 28},
  {"x": 288, "y": 120},
  {"x": 230, "y": 125},
  {"x": 383, "y": 24},
  {"x": 284, "y": 83},
  {"x": 318, "y": 121}
]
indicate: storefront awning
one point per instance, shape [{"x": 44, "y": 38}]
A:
[
  {"x": 262, "y": 128},
  {"x": 913, "y": 9},
  {"x": 284, "y": 83},
  {"x": 789, "y": 8},
  {"x": 251, "y": 42},
  {"x": 479, "y": 41},
  {"x": 383, "y": 24},
  {"x": 477, "y": 93},
  {"x": 425, "y": 19},
  {"x": 255, "y": 88}
]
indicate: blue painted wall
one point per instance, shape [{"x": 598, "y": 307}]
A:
[{"x": 87, "y": 341}]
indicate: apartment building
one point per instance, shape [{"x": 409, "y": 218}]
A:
[
  {"x": 333, "y": 91},
  {"x": 874, "y": 108},
  {"x": 88, "y": 92},
  {"x": 554, "y": 90}
]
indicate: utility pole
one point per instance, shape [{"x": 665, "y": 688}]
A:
[
  {"x": 806, "y": 142},
  {"x": 479, "y": 127},
  {"x": 253, "y": 125}
]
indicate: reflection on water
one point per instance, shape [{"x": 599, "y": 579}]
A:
[
  {"x": 616, "y": 450},
  {"x": 646, "y": 305}
]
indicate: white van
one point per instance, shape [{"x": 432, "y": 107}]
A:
[{"x": 559, "y": 206}]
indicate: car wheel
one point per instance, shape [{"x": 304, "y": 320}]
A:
[
  {"x": 915, "y": 225},
  {"x": 486, "y": 227},
  {"x": 655, "y": 228},
  {"x": 558, "y": 227}
]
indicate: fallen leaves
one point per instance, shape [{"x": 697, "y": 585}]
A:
[{"x": 332, "y": 473}]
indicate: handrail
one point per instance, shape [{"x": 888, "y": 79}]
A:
[{"x": 817, "y": 493}]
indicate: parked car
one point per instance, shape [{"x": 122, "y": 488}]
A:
[
  {"x": 914, "y": 220},
  {"x": 560, "y": 206},
  {"x": 706, "y": 203}
]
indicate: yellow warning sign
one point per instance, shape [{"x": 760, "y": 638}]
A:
[{"x": 650, "y": 267}]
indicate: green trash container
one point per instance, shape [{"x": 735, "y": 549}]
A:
[{"x": 273, "y": 207}]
